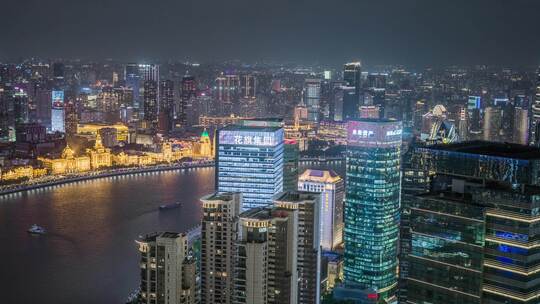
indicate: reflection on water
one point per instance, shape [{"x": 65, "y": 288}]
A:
[{"x": 89, "y": 254}]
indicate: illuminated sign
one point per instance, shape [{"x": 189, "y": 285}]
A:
[
  {"x": 250, "y": 138},
  {"x": 57, "y": 99},
  {"x": 373, "y": 133},
  {"x": 474, "y": 102}
]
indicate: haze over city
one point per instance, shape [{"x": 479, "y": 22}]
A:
[
  {"x": 418, "y": 32},
  {"x": 270, "y": 152}
]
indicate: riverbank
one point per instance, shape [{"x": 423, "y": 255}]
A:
[{"x": 66, "y": 179}]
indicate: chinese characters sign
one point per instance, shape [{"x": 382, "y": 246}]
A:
[{"x": 250, "y": 138}]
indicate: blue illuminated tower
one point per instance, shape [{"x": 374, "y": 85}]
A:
[
  {"x": 372, "y": 206},
  {"x": 249, "y": 160}
]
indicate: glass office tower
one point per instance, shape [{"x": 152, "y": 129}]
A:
[
  {"x": 474, "y": 235},
  {"x": 372, "y": 205},
  {"x": 249, "y": 160}
]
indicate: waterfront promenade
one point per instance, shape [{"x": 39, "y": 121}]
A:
[{"x": 51, "y": 180}]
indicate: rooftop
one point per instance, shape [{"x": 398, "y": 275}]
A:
[
  {"x": 260, "y": 213},
  {"x": 152, "y": 237},
  {"x": 296, "y": 196},
  {"x": 505, "y": 150},
  {"x": 216, "y": 196},
  {"x": 249, "y": 128},
  {"x": 323, "y": 176}
]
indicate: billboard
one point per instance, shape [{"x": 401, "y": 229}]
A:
[
  {"x": 251, "y": 138},
  {"x": 374, "y": 133},
  {"x": 474, "y": 102},
  {"x": 57, "y": 99}
]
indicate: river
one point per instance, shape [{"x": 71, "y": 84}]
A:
[{"x": 89, "y": 254}]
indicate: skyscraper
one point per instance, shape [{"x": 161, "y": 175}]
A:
[
  {"x": 312, "y": 98},
  {"x": 266, "y": 261},
  {"x": 219, "y": 228},
  {"x": 166, "y": 106},
  {"x": 290, "y": 165},
  {"x": 372, "y": 205},
  {"x": 352, "y": 75},
  {"x": 248, "y": 86},
  {"x": 57, "y": 112},
  {"x": 535, "y": 114},
  {"x": 307, "y": 204},
  {"x": 332, "y": 190},
  {"x": 168, "y": 272},
  {"x": 188, "y": 92},
  {"x": 249, "y": 160},
  {"x": 473, "y": 234},
  {"x": 150, "y": 101},
  {"x": 132, "y": 79}
]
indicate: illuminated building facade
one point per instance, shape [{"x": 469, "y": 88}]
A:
[
  {"x": 219, "y": 121},
  {"x": 150, "y": 102},
  {"x": 203, "y": 148},
  {"x": 218, "y": 236},
  {"x": 535, "y": 114},
  {"x": 331, "y": 187},
  {"x": 312, "y": 98},
  {"x": 21, "y": 172},
  {"x": 372, "y": 205},
  {"x": 68, "y": 163},
  {"x": 168, "y": 271},
  {"x": 57, "y": 112},
  {"x": 473, "y": 235},
  {"x": 99, "y": 155},
  {"x": 122, "y": 131},
  {"x": 249, "y": 160},
  {"x": 352, "y": 73}
]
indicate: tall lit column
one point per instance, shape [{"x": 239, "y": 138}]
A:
[{"x": 372, "y": 205}]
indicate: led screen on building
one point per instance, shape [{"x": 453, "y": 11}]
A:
[
  {"x": 251, "y": 138},
  {"x": 373, "y": 133},
  {"x": 57, "y": 99}
]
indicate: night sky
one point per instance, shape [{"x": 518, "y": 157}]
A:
[{"x": 410, "y": 32}]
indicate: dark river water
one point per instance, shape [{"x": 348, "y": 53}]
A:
[{"x": 89, "y": 254}]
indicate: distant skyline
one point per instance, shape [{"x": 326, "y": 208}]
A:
[{"x": 409, "y": 32}]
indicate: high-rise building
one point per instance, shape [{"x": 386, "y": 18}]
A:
[
  {"x": 248, "y": 86},
  {"x": 7, "y": 117},
  {"x": 188, "y": 92},
  {"x": 307, "y": 204},
  {"x": 331, "y": 187},
  {"x": 472, "y": 236},
  {"x": 350, "y": 103},
  {"x": 149, "y": 72},
  {"x": 71, "y": 119},
  {"x": 352, "y": 75},
  {"x": 266, "y": 261},
  {"x": 168, "y": 271},
  {"x": 166, "y": 106},
  {"x": 57, "y": 112},
  {"x": 535, "y": 114},
  {"x": 372, "y": 205},
  {"x": 218, "y": 234},
  {"x": 312, "y": 98},
  {"x": 492, "y": 123},
  {"x": 150, "y": 101},
  {"x": 290, "y": 164},
  {"x": 133, "y": 81},
  {"x": 249, "y": 160},
  {"x": 474, "y": 106},
  {"x": 226, "y": 92},
  {"x": 521, "y": 126}
]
